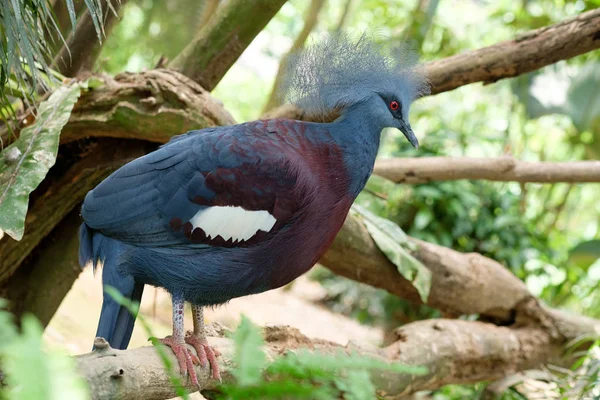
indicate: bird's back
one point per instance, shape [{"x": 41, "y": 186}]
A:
[{"x": 226, "y": 211}]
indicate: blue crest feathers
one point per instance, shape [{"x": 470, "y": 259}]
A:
[{"x": 339, "y": 71}]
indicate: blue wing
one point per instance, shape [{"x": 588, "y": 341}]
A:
[{"x": 164, "y": 198}]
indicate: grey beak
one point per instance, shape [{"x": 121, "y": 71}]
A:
[{"x": 408, "y": 132}]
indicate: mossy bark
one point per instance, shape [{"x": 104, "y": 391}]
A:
[{"x": 224, "y": 38}]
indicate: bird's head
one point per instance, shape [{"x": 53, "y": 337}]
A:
[{"x": 357, "y": 78}]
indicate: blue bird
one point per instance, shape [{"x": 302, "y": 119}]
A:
[{"x": 236, "y": 210}]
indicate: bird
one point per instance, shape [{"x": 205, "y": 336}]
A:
[{"x": 230, "y": 211}]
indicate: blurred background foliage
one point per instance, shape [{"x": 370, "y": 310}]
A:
[
  {"x": 543, "y": 233},
  {"x": 546, "y": 234}
]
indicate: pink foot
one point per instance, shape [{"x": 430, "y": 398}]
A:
[
  {"x": 206, "y": 353},
  {"x": 185, "y": 357}
]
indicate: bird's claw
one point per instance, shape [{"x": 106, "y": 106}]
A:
[
  {"x": 185, "y": 358},
  {"x": 206, "y": 354}
]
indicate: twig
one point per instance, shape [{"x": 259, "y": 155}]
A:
[{"x": 507, "y": 169}]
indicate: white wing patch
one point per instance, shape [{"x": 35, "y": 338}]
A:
[{"x": 232, "y": 222}]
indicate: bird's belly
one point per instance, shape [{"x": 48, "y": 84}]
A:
[
  {"x": 300, "y": 248},
  {"x": 214, "y": 275}
]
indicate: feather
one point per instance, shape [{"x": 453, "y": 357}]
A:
[
  {"x": 339, "y": 71},
  {"x": 232, "y": 222}
]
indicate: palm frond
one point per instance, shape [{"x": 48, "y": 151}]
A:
[{"x": 24, "y": 48}]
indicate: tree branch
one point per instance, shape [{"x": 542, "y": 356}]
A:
[
  {"x": 45, "y": 278},
  {"x": 461, "y": 283},
  {"x": 529, "y": 51},
  {"x": 427, "y": 169},
  {"x": 74, "y": 174},
  {"x": 152, "y": 105},
  {"x": 454, "y": 351},
  {"x": 226, "y": 35}
]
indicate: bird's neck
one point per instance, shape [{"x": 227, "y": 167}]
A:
[{"x": 359, "y": 138}]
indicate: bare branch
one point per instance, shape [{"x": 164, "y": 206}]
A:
[
  {"x": 454, "y": 351},
  {"x": 226, "y": 35},
  {"x": 529, "y": 51},
  {"x": 35, "y": 288},
  {"x": 427, "y": 169}
]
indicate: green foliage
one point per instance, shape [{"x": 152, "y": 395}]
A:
[
  {"x": 139, "y": 43},
  {"x": 582, "y": 381},
  {"x": 29, "y": 372},
  {"x": 393, "y": 242},
  {"x": 585, "y": 254},
  {"x": 25, "y": 163},
  {"x": 473, "y": 217},
  {"x": 301, "y": 374},
  {"x": 249, "y": 357},
  {"x": 24, "y": 49},
  {"x": 575, "y": 97}
]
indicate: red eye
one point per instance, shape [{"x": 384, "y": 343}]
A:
[{"x": 394, "y": 105}]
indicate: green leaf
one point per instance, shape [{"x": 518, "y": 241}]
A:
[
  {"x": 534, "y": 108},
  {"x": 25, "y": 163},
  {"x": 72, "y": 15},
  {"x": 423, "y": 218},
  {"x": 393, "y": 242},
  {"x": 307, "y": 364},
  {"x": 583, "y": 99},
  {"x": 356, "y": 385},
  {"x": 32, "y": 374},
  {"x": 585, "y": 254},
  {"x": 249, "y": 356}
]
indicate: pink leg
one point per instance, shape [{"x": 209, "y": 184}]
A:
[
  {"x": 176, "y": 342},
  {"x": 206, "y": 353}
]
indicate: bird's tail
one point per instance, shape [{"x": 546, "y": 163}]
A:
[{"x": 116, "y": 322}]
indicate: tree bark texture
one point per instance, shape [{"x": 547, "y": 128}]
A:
[
  {"x": 224, "y": 38},
  {"x": 152, "y": 105},
  {"x": 529, "y": 51},
  {"x": 453, "y": 351},
  {"x": 428, "y": 169}
]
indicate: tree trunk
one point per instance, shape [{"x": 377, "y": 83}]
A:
[
  {"x": 83, "y": 45},
  {"x": 226, "y": 35}
]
